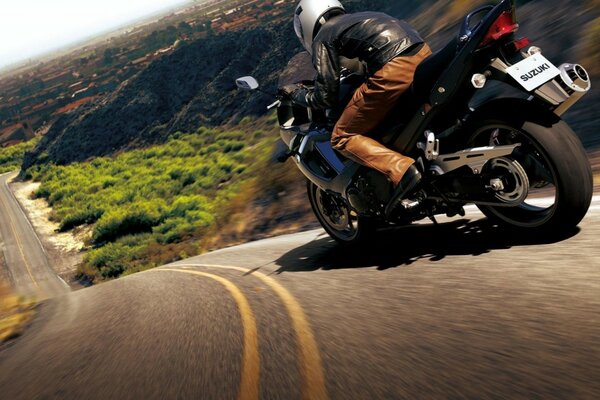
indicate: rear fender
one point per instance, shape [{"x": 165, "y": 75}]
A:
[{"x": 515, "y": 110}]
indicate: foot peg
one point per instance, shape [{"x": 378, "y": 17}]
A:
[
  {"x": 409, "y": 204},
  {"x": 455, "y": 212}
]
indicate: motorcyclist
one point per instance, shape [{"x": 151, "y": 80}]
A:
[{"x": 391, "y": 50}]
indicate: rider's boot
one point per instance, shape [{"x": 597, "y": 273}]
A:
[{"x": 407, "y": 186}]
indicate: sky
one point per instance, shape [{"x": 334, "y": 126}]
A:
[{"x": 34, "y": 27}]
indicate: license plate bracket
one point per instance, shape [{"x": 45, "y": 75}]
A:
[{"x": 533, "y": 72}]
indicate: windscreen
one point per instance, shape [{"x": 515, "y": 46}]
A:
[{"x": 299, "y": 69}]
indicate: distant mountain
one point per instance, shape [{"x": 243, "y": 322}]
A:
[{"x": 194, "y": 85}]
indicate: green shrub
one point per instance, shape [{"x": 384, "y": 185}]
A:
[
  {"x": 11, "y": 157},
  {"x": 114, "y": 271},
  {"x": 174, "y": 230},
  {"x": 108, "y": 255},
  {"x": 146, "y": 205},
  {"x": 136, "y": 218},
  {"x": 109, "y": 182},
  {"x": 183, "y": 204},
  {"x": 42, "y": 192},
  {"x": 86, "y": 216}
]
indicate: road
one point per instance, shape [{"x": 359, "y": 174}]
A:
[
  {"x": 27, "y": 262},
  {"x": 461, "y": 310}
]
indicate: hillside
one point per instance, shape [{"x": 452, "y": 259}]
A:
[
  {"x": 35, "y": 93},
  {"x": 151, "y": 206},
  {"x": 166, "y": 97},
  {"x": 194, "y": 86}
]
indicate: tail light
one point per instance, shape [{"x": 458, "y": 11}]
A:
[
  {"x": 518, "y": 44},
  {"x": 504, "y": 25}
]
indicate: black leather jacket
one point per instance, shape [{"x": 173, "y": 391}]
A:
[{"x": 372, "y": 37}]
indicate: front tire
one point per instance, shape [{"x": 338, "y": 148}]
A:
[
  {"x": 557, "y": 168},
  {"x": 338, "y": 220}
]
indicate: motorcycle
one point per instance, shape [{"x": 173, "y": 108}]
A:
[{"x": 482, "y": 119}]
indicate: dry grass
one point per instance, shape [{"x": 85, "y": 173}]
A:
[
  {"x": 15, "y": 312},
  {"x": 273, "y": 203}
]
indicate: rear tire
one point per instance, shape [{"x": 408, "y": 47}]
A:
[
  {"x": 556, "y": 166},
  {"x": 336, "y": 217}
]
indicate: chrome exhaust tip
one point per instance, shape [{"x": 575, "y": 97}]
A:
[
  {"x": 575, "y": 78},
  {"x": 575, "y": 82}
]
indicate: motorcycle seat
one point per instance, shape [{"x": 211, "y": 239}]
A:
[
  {"x": 429, "y": 71},
  {"x": 426, "y": 75}
]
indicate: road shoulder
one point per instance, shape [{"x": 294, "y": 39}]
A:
[{"x": 64, "y": 249}]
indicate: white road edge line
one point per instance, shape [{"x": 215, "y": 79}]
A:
[
  {"x": 26, "y": 217},
  {"x": 63, "y": 281},
  {"x": 23, "y": 212}
]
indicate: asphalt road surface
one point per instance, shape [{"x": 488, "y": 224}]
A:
[
  {"x": 28, "y": 265},
  {"x": 459, "y": 310}
]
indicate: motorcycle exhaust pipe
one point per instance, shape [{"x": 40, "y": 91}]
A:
[{"x": 574, "y": 80}]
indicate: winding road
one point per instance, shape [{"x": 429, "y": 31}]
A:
[
  {"x": 459, "y": 310},
  {"x": 27, "y": 262}
]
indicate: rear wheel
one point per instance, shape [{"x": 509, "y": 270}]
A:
[
  {"x": 338, "y": 220},
  {"x": 559, "y": 173}
]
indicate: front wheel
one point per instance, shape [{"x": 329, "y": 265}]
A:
[
  {"x": 338, "y": 220},
  {"x": 559, "y": 173}
]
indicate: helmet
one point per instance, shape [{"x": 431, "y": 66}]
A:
[{"x": 310, "y": 15}]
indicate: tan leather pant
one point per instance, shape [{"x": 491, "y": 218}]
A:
[{"x": 369, "y": 106}]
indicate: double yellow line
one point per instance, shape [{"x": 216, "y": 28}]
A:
[
  {"x": 309, "y": 360},
  {"x": 16, "y": 236},
  {"x": 250, "y": 359}
]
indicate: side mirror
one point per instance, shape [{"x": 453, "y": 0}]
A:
[{"x": 246, "y": 83}]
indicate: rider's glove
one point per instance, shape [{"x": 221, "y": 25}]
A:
[
  {"x": 298, "y": 94},
  {"x": 301, "y": 97}
]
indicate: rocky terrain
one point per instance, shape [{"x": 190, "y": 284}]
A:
[{"x": 194, "y": 85}]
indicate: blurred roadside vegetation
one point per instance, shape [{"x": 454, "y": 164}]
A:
[
  {"x": 15, "y": 312},
  {"x": 590, "y": 57},
  {"x": 148, "y": 207}
]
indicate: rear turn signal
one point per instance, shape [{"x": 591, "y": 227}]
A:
[{"x": 504, "y": 25}]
